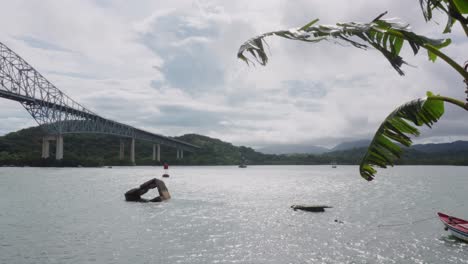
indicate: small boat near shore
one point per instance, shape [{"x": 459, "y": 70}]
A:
[{"x": 458, "y": 227}]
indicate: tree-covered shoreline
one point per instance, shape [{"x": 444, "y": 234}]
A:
[{"x": 23, "y": 148}]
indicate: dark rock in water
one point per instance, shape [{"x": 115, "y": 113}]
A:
[
  {"x": 310, "y": 208},
  {"x": 134, "y": 195},
  {"x": 165, "y": 175},
  {"x": 151, "y": 184},
  {"x": 162, "y": 189}
]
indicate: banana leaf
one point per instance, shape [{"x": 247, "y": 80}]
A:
[
  {"x": 454, "y": 9},
  {"x": 396, "y": 130},
  {"x": 385, "y": 35}
]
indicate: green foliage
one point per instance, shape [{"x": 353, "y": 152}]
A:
[
  {"x": 383, "y": 150},
  {"x": 386, "y": 36},
  {"x": 454, "y": 9},
  {"x": 24, "y": 148},
  {"x": 90, "y": 150}
]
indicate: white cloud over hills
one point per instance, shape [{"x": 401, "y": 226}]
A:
[{"x": 170, "y": 67}]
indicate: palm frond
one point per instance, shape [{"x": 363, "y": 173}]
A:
[
  {"x": 454, "y": 9},
  {"x": 396, "y": 130},
  {"x": 385, "y": 35}
]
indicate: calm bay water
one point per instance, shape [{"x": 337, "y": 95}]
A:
[{"x": 231, "y": 215}]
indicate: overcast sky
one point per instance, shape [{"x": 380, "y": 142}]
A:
[{"x": 170, "y": 67}]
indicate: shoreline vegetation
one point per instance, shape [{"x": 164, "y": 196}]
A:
[{"x": 23, "y": 148}]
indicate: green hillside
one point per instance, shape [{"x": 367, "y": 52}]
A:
[{"x": 23, "y": 148}]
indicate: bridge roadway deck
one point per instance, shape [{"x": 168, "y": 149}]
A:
[{"x": 90, "y": 117}]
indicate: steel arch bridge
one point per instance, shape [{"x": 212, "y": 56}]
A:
[{"x": 58, "y": 114}]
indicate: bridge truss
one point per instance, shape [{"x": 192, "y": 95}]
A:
[{"x": 56, "y": 112}]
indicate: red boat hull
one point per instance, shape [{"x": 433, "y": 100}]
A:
[{"x": 457, "y": 226}]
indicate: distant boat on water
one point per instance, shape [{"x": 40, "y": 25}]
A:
[{"x": 243, "y": 163}]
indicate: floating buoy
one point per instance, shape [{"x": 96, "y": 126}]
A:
[{"x": 166, "y": 170}]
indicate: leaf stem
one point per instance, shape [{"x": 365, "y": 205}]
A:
[
  {"x": 462, "y": 23},
  {"x": 447, "y": 59},
  {"x": 465, "y": 28},
  {"x": 449, "y": 100},
  {"x": 437, "y": 52}
]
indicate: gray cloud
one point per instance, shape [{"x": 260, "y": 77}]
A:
[
  {"x": 157, "y": 84},
  {"x": 308, "y": 106},
  {"x": 189, "y": 61},
  {"x": 41, "y": 44},
  {"x": 170, "y": 68},
  {"x": 103, "y": 3},
  {"x": 187, "y": 117},
  {"x": 76, "y": 75},
  {"x": 13, "y": 116},
  {"x": 305, "y": 88}
]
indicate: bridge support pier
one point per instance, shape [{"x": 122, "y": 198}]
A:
[
  {"x": 180, "y": 153},
  {"x": 58, "y": 113},
  {"x": 45, "y": 147},
  {"x": 159, "y": 153},
  {"x": 59, "y": 147},
  {"x": 156, "y": 152},
  {"x": 132, "y": 151},
  {"x": 122, "y": 150}
]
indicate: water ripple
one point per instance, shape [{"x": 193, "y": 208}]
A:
[{"x": 229, "y": 215}]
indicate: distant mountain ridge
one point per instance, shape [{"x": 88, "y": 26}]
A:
[
  {"x": 293, "y": 149},
  {"x": 455, "y": 146},
  {"x": 280, "y": 149},
  {"x": 363, "y": 143},
  {"x": 311, "y": 149}
]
